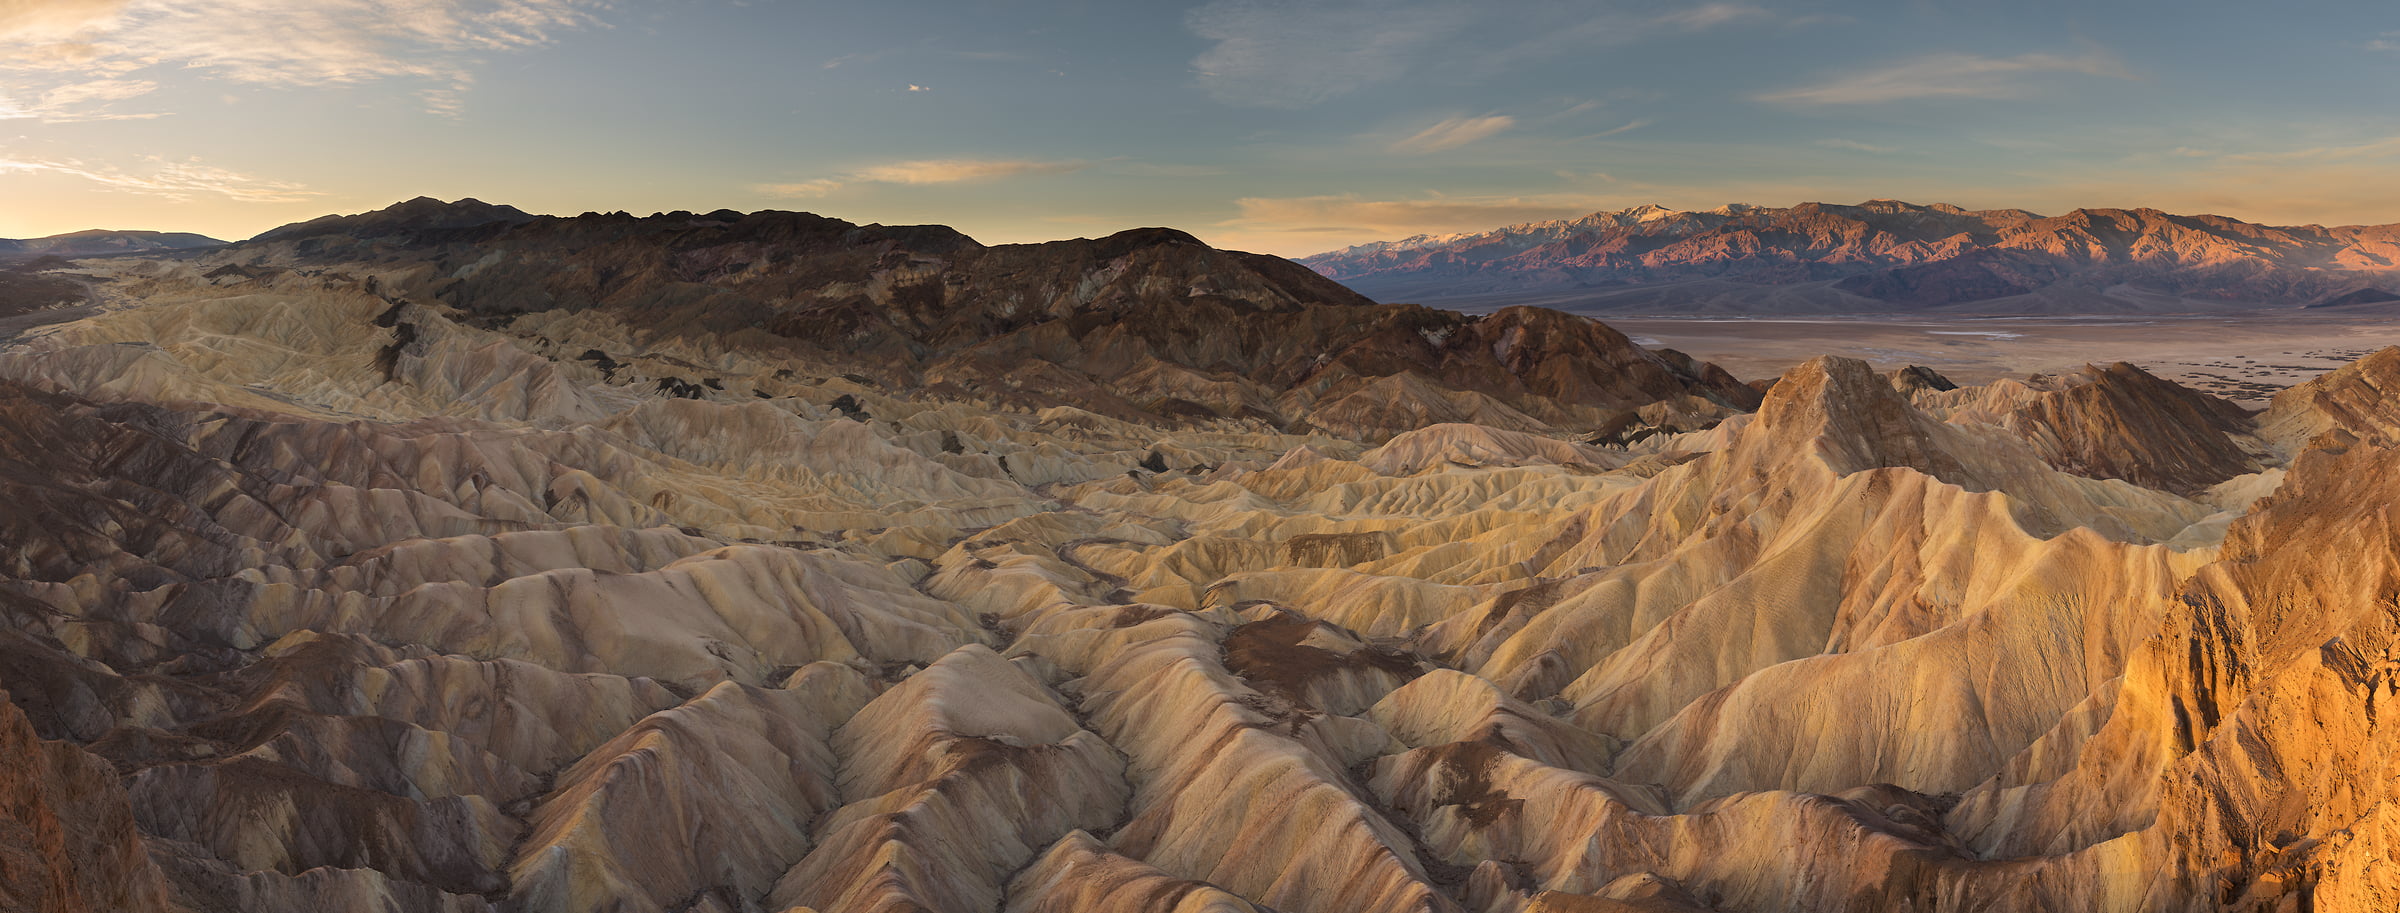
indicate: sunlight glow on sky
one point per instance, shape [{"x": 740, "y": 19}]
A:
[{"x": 1272, "y": 125}]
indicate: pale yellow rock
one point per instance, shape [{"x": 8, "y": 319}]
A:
[
  {"x": 1079, "y": 875},
  {"x": 955, "y": 779},
  {"x": 738, "y": 775}
]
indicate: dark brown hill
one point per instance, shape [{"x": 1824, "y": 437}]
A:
[{"x": 1140, "y": 324}]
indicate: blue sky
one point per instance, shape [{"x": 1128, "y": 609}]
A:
[{"x": 1286, "y": 127}]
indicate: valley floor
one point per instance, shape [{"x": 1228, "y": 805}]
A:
[{"x": 2245, "y": 359}]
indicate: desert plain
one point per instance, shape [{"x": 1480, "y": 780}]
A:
[{"x": 2245, "y": 359}]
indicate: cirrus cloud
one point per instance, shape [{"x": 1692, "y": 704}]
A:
[
  {"x": 1292, "y": 55},
  {"x": 951, "y": 171},
  {"x": 177, "y": 181},
  {"x": 1297, "y": 53},
  {"x": 1836, "y": 142},
  {"x": 1948, "y": 75},
  {"x": 1453, "y": 133},
  {"x": 1352, "y": 214},
  {"x": 925, "y": 171},
  {"x": 77, "y": 56}
]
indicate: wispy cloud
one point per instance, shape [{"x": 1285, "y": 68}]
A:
[
  {"x": 1350, "y": 214},
  {"x": 799, "y": 189},
  {"x": 1711, "y": 15},
  {"x": 951, "y": 171},
  {"x": 1547, "y": 30},
  {"x": 1855, "y": 146},
  {"x": 93, "y": 100},
  {"x": 2384, "y": 148},
  {"x": 1626, "y": 127},
  {"x": 1156, "y": 170},
  {"x": 54, "y": 20},
  {"x": 1297, "y": 53},
  {"x": 928, "y": 171},
  {"x": 1585, "y": 106},
  {"x": 171, "y": 180},
  {"x": 1290, "y": 54},
  {"x": 2387, "y": 42},
  {"x": 1453, "y": 132},
  {"x": 78, "y": 56},
  {"x": 1948, "y": 75}
]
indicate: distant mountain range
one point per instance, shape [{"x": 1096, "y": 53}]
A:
[
  {"x": 100, "y": 242},
  {"x": 27, "y": 284},
  {"x": 1882, "y": 256}
]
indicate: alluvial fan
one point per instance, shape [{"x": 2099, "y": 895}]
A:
[{"x": 449, "y": 558}]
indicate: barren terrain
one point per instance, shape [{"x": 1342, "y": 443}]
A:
[
  {"x": 2245, "y": 359},
  {"x": 773, "y": 564}
]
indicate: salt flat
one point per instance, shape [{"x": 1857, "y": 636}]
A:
[{"x": 2245, "y": 358}]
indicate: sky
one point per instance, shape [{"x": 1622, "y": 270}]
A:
[{"x": 1281, "y": 126}]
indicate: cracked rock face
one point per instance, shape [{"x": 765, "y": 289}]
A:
[{"x": 1132, "y": 575}]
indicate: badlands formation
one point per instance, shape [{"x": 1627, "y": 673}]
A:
[{"x": 452, "y": 559}]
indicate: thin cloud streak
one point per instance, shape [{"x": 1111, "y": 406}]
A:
[
  {"x": 1350, "y": 214},
  {"x": 1855, "y": 146},
  {"x": 1711, "y": 15},
  {"x": 179, "y": 181},
  {"x": 1948, "y": 75},
  {"x": 1452, "y": 133},
  {"x": 929, "y": 171},
  {"x": 82, "y": 52},
  {"x": 1291, "y": 55},
  {"x": 951, "y": 171},
  {"x": 1627, "y": 127},
  {"x": 1299, "y": 53},
  {"x": 2387, "y": 147},
  {"x": 799, "y": 189},
  {"x": 1152, "y": 170}
]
